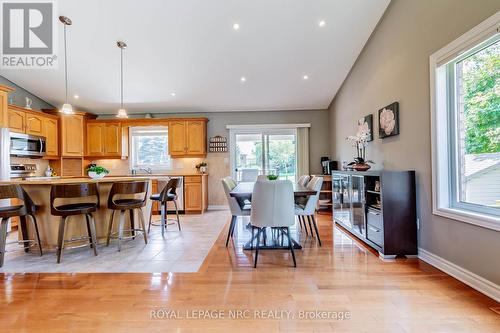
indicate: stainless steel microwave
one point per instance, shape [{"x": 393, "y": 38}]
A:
[{"x": 25, "y": 145}]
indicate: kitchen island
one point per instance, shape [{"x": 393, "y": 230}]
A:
[{"x": 39, "y": 191}]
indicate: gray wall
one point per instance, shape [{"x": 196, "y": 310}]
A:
[
  {"x": 394, "y": 66},
  {"x": 318, "y": 137},
  {"x": 18, "y": 97}
]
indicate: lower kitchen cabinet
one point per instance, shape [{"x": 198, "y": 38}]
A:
[{"x": 195, "y": 193}]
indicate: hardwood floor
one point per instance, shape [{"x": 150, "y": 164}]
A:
[{"x": 341, "y": 278}]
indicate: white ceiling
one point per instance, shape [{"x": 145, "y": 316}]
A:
[{"x": 190, "y": 47}]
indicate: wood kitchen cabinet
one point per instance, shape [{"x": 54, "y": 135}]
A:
[
  {"x": 187, "y": 138},
  {"x": 33, "y": 122},
  {"x": 17, "y": 120},
  {"x": 72, "y": 135},
  {"x": 51, "y": 133},
  {"x": 195, "y": 194},
  {"x": 4, "y": 105},
  {"x": 106, "y": 139}
]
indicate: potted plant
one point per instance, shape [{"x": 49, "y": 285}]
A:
[
  {"x": 359, "y": 141},
  {"x": 96, "y": 172},
  {"x": 202, "y": 167}
]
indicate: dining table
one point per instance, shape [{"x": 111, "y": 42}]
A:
[{"x": 273, "y": 240}]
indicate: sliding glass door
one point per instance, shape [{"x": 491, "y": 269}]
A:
[{"x": 270, "y": 151}]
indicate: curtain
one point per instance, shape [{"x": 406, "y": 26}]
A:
[
  {"x": 302, "y": 151},
  {"x": 4, "y": 154}
]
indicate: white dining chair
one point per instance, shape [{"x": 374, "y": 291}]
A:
[
  {"x": 272, "y": 207},
  {"x": 249, "y": 175},
  {"x": 303, "y": 180},
  {"x": 308, "y": 209},
  {"x": 236, "y": 210}
]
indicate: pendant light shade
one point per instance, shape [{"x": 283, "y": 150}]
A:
[
  {"x": 122, "y": 113},
  {"x": 66, "y": 108}
]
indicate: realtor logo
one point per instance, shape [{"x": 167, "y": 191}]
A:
[{"x": 28, "y": 34}]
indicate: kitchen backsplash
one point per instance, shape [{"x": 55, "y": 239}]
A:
[
  {"x": 122, "y": 167},
  {"x": 41, "y": 165}
]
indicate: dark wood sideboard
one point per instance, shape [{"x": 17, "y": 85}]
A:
[{"x": 383, "y": 216}]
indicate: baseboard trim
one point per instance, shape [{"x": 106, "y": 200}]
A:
[
  {"x": 473, "y": 280},
  {"x": 218, "y": 207}
]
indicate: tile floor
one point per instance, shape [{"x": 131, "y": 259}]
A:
[{"x": 178, "y": 252}]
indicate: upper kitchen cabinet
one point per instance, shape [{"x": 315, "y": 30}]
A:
[
  {"x": 51, "y": 133},
  {"x": 33, "y": 122},
  {"x": 106, "y": 139},
  {"x": 4, "y": 105},
  {"x": 72, "y": 135},
  {"x": 187, "y": 137},
  {"x": 17, "y": 120}
]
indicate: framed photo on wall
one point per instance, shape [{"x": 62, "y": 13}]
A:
[
  {"x": 365, "y": 125},
  {"x": 388, "y": 121}
]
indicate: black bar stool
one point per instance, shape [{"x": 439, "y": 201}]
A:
[
  {"x": 130, "y": 204},
  {"x": 26, "y": 208},
  {"x": 73, "y": 191},
  {"x": 167, "y": 194}
]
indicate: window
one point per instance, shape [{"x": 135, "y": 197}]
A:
[
  {"x": 465, "y": 107},
  {"x": 149, "y": 148}
]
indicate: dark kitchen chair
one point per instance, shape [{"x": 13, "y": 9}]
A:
[
  {"x": 168, "y": 194},
  {"x": 83, "y": 191},
  {"x": 130, "y": 204},
  {"x": 23, "y": 206}
]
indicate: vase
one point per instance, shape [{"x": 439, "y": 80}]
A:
[
  {"x": 361, "y": 166},
  {"x": 203, "y": 169}
]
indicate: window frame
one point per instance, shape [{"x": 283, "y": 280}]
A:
[
  {"x": 133, "y": 131},
  {"x": 444, "y": 125}
]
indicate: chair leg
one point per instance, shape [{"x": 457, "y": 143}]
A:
[
  {"x": 316, "y": 228},
  {"x": 92, "y": 232},
  {"x": 143, "y": 225},
  {"x": 290, "y": 245},
  {"x": 234, "y": 226},
  {"x": 300, "y": 222},
  {"x": 259, "y": 230},
  {"x": 163, "y": 218},
  {"x": 24, "y": 232},
  {"x": 150, "y": 218},
  {"x": 37, "y": 234},
  {"x": 60, "y": 238},
  {"x": 177, "y": 213},
  {"x": 3, "y": 238},
  {"x": 120, "y": 229},
  {"x": 132, "y": 222},
  {"x": 89, "y": 232},
  {"x": 110, "y": 227},
  {"x": 231, "y": 226},
  {"x": 305, "y": 224},
  {"x": 310, "y": 226}
]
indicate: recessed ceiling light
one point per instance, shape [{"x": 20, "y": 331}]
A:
[
  {"x": 322, "y": 23},
  {"x": 236, "y": 26},
  {"x": 305, "y": 77},
  {"x": 243, "y": 79},
  {"x": 172, "y": 93},
  {"x": 76, "y": 96}
]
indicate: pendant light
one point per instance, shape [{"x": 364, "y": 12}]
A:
[
  {"x": 122, "y": 113},
  {"x": 66, "y": 108}
]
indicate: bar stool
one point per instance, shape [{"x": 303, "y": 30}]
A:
[
  {"x": 74, "y": 191},
  {"x": 27, "y": 208},
  {"x": 167, "y": 194},
  {"x": 130, "y": 204}
]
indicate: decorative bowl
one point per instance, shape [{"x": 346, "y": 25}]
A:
[{"x": 95, "y": 175}]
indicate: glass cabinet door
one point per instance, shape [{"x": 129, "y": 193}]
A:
[
  {"x": 341, "y": 199},
  {"x": 358, "y": 204}
]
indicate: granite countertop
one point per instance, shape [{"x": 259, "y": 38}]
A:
[
  {"x": 107, "y": 179},
  {"x": 71, "y": 180}
]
